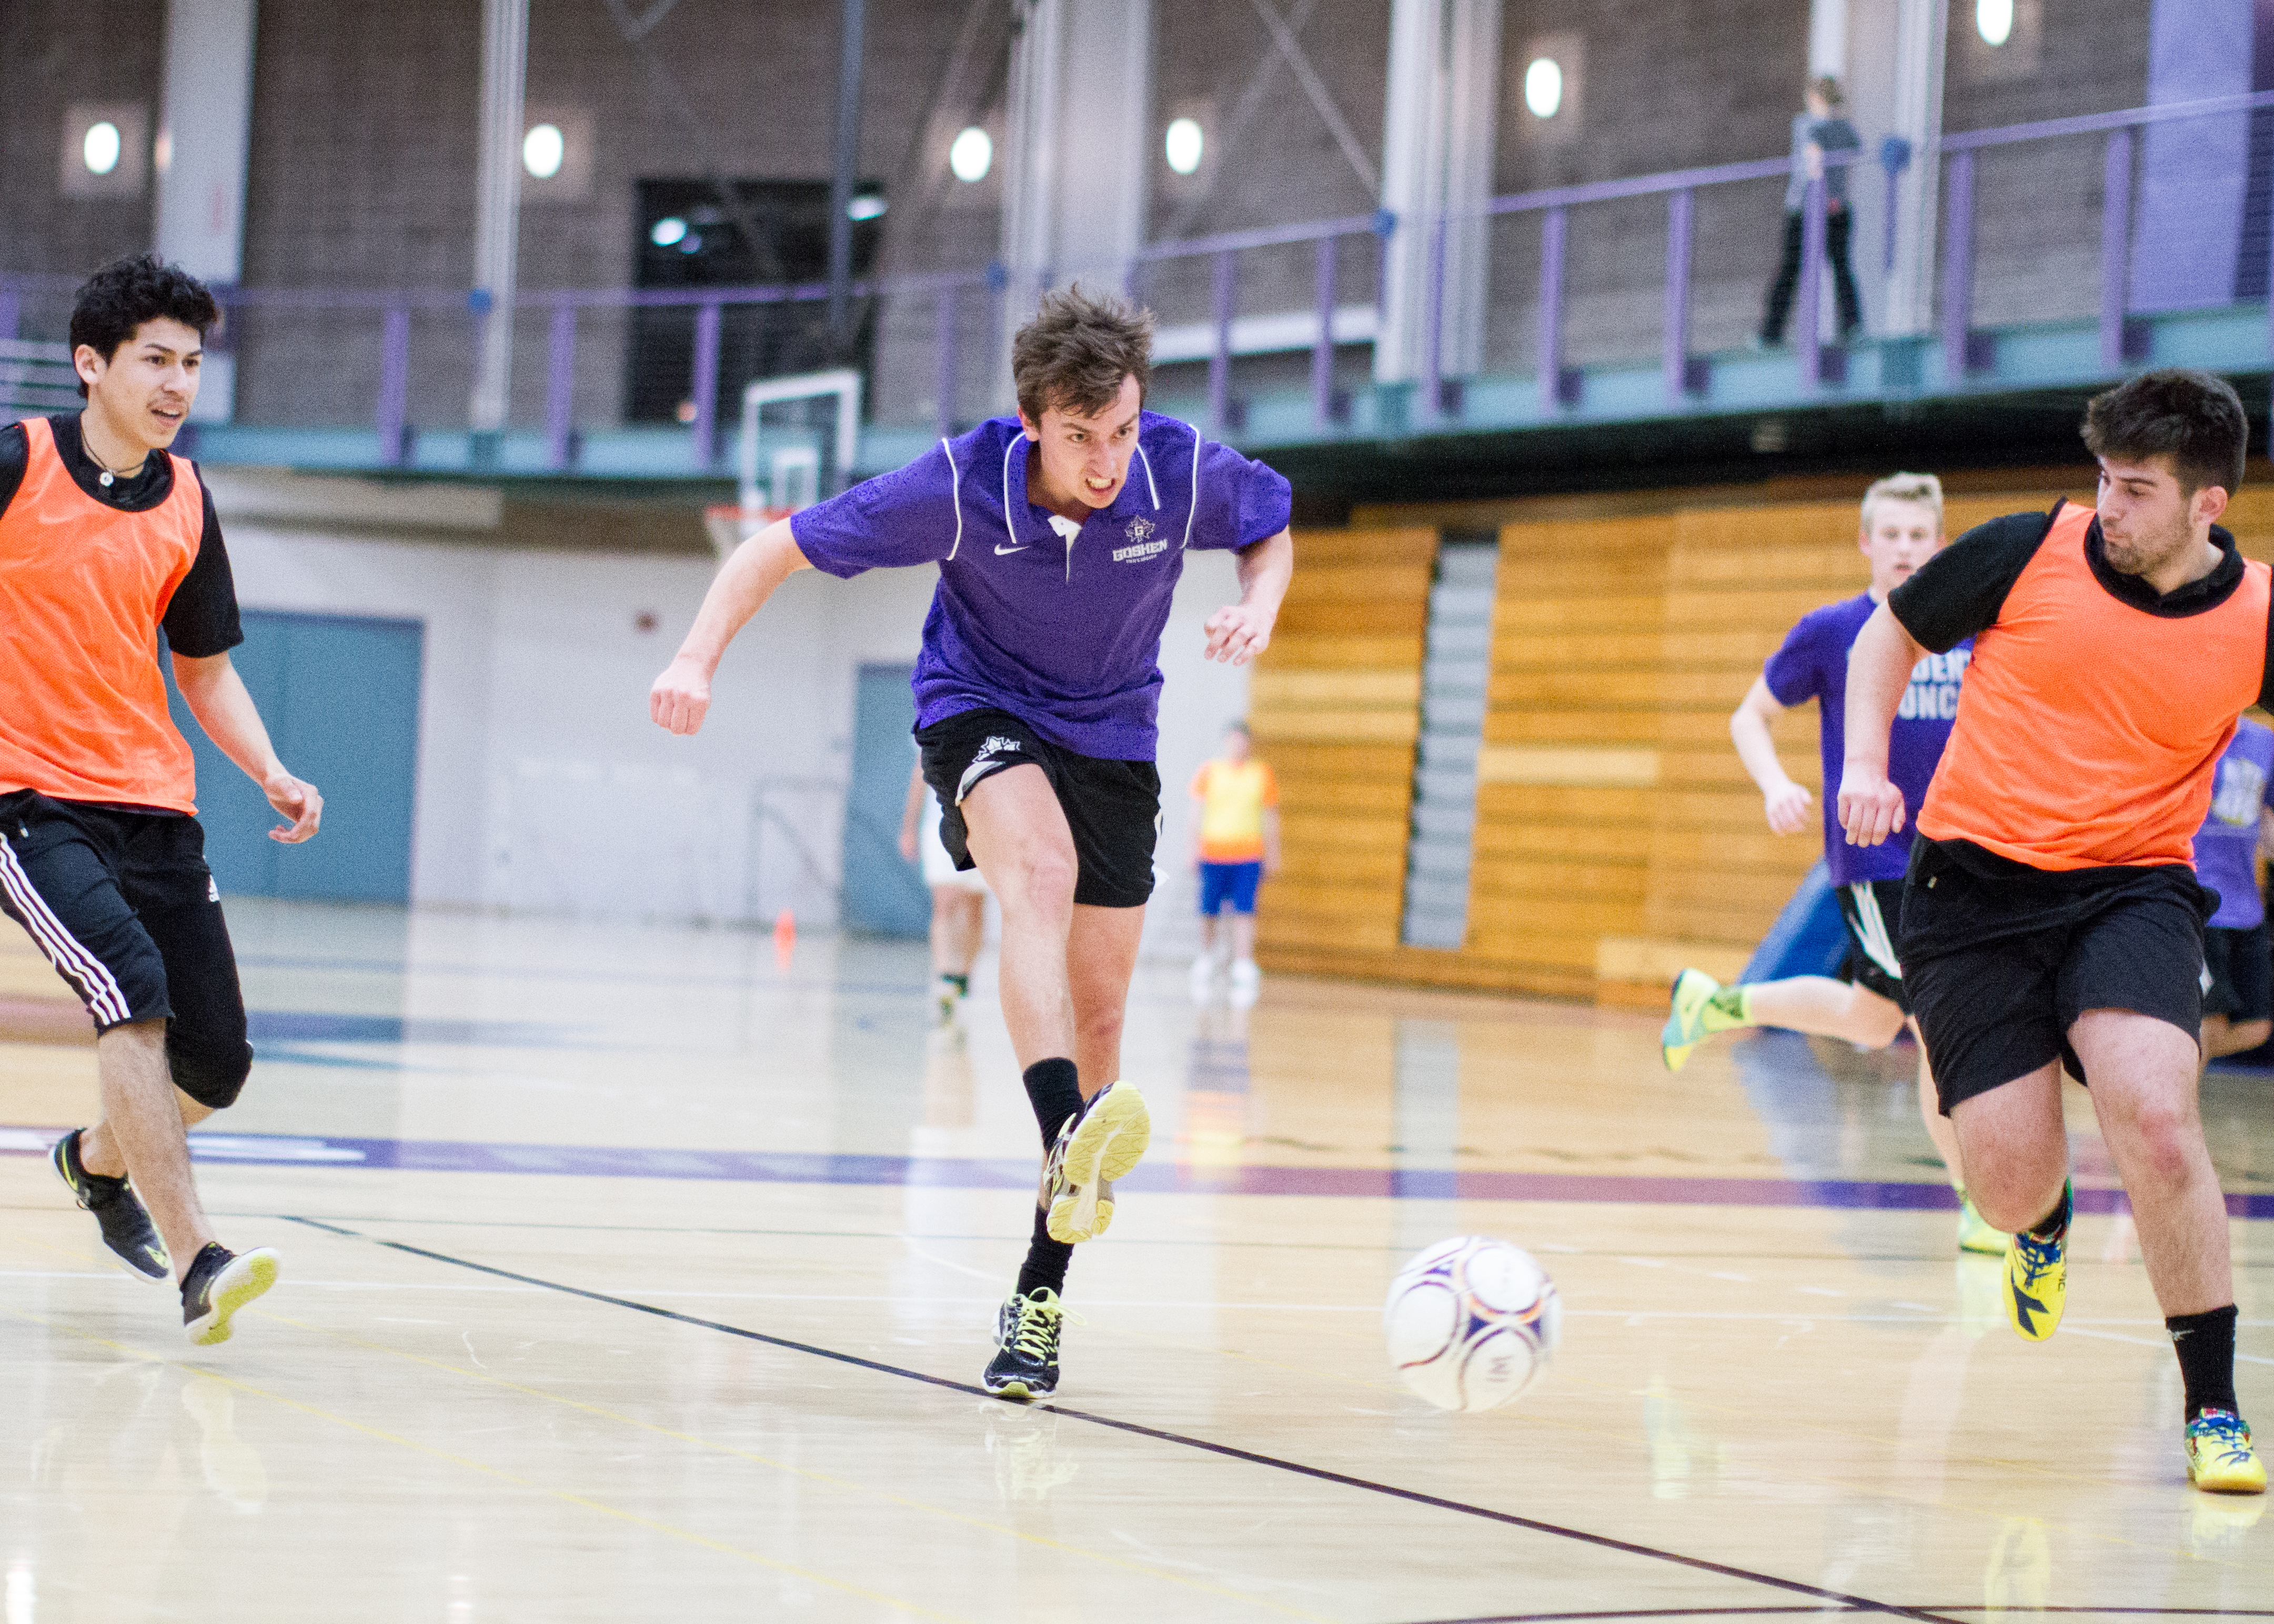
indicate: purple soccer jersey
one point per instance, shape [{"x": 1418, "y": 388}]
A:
[
  {"x": 1813, "y": 664},
  {"x": 2227, "y": 844},
  {"x": 1063, "y": 631}
]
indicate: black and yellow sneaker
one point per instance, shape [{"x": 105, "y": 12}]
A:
[
  {"x": 1025, "y": 1362},
  {"x": 125, "y": 1223},
  {"x": 2037, "y": 1276},
  {"x": 219, "y": 1283},
  {"x": 1098, "y": 1144}
]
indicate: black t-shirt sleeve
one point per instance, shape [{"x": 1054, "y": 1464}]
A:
[
  {"x": 1958, "y": 592},
  {"x": 202, "y": 621},
  {"x": 15, "y": 457}
]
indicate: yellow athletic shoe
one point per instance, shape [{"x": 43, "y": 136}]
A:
[
  {"x": 1098, "y": 1144},
  {"x": 1974, "y": 1233},
  {"x": 1686, "y": 1021},
  {"x": 2037, "y": 1278},
  {"x": 2220, "y": 1458}
]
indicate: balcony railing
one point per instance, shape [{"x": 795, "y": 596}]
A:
[{"x": 940, "y": 333}]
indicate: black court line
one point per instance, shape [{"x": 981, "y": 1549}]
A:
[
  {"x": 1604, "y": 1542},
  {"x": 1616, "y": 1616}
]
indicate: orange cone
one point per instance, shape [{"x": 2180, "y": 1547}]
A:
[{"x": 785, "y": 937}]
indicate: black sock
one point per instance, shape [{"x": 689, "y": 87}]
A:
[
  {"x": 1054, "y": 1088},
  {"x": 2205, "y": 1344},
  {"x": 1047, "y": 1259},
  {"x": 2051, "y": 1226},
  {"x": 961, "y": 983}
]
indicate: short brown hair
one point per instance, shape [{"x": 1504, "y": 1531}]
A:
[
  {"x": 1829, "y": 87},
  {"x": 1077, "y": 350},
  {"x": 2191, "y": 418},
  {"x": 1924, "y": 489}
]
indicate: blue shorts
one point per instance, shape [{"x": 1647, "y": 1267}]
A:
[{"x": 1232, "y": 883}]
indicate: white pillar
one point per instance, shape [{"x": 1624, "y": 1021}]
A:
[
  {"x": 497, "y": 216},
  {"x": 1441, "y": 131},
  {"x": 1077, "y": 140},
  {"x": 205, "y": 125},
  {"x": 1827, "y": 40},
  {"x": 1916, "y": 115},
  {"x": 2194, "y": 174}
]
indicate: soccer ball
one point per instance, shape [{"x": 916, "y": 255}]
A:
[{"x": 1470, "y": 1322}]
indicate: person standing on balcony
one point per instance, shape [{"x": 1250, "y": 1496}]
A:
[
  {"x": 107, "y": 538},
  {"x": 1236, "y": 840},
  {"x": 1059, "y": 535},
  {"x": 1869, "y": 1006},
  {"x": 1821, "y": 129}
]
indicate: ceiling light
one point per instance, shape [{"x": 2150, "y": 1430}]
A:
[
  {"x": 542, "y": 150},
  {"x": 972, "y": 155},
  {"x": 1993, "y": 19},
  {"x": 865, "y": 206},
  {"x": 1184, "y": 145},
  {"x": 1543, "y": 86},
  {"x": 101, "y": 149},
  {"x": 666, "y": 231}
]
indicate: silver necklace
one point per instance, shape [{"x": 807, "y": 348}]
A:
[{"x": 106, "y": 477}]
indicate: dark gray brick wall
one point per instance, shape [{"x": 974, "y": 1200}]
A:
[
  {"x": 364, "y": 158},
  {"x": 54, "y": 53}
]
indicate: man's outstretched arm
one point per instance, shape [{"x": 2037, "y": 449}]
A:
[
  {"x": 1239, "y": 631},
  {"x": 1879, "y": 669},
  {"x": 681, "y": 694}
]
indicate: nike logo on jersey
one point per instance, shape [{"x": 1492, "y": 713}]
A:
[{"x": 1000, "y": 549}]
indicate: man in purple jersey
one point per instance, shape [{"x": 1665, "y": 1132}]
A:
[
  {"x": 2238, "y": 964},
  {"x": 1059, "y": 535},
  {"x": 1902, "y": 529}
]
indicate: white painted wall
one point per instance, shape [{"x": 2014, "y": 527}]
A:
[{"x": 544, "y": 788}]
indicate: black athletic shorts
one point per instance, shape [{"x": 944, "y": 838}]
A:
[
  {"x": 2239, "y": 966},
  {"x": 123, "y": 907},
  {"x": 1874, "y": 911},
  {"x": 2002, "y": 958},
  {"x": 1112, "y": 806}
]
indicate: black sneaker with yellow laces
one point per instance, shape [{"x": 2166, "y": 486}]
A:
[
  {"x": 125, "y": 1223},
  {"x": 1025, "y": 1362}
]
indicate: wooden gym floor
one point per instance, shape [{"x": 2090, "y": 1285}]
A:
[{"x": 635, "y": 1274}]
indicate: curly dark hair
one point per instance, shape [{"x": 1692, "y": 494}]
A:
[
  {"x": 1077, "y": 350},
  {"x": 2191, "y": 418},
  {"x": 110, "y": 305}
]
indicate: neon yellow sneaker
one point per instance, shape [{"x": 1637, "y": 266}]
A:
[
  {"x": 1098, "y": 1144},
  {"x": 1974, "y": 1233},
  {"x": 2220, "y": 1458},
  {"x": 2037, "y": 1277},
  {"x": 1700, "y": 1008}
]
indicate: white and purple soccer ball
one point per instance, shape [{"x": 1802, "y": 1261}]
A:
[{"x": 1470, "y": 1322}]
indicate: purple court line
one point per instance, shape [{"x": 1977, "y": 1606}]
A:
[{"x": 1167, "y": 1179}]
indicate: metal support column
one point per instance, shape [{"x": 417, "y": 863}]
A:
[{"x": 497, "y": 214}]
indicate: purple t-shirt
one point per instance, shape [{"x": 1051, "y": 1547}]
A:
[
  {"x": 1813, "y": 664},
  {"x": 1064, "y": 633},
  {"x": 2227, "y": 843}
]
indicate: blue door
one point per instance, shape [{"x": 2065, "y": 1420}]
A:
[
  {"x": 883, "y": 893},
  {"x": 340, "y": 696}
]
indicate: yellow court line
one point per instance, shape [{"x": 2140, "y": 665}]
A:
[
  {"x": 650, "y": 1523},
  {"x": 845, "y": 1484}
]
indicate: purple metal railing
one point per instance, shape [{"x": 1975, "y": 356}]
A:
[{"x": 1437, "y": 395}]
